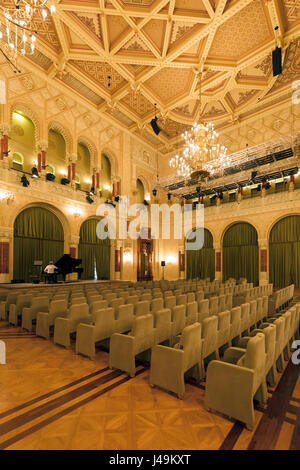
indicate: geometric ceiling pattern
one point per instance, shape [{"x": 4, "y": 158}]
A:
[{"x": 125, "y": 56}]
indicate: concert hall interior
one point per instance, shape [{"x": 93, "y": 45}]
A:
[{"x": 149, "y": 225}]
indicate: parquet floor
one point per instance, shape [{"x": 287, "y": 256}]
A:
[{"x": 51, "y": 398}]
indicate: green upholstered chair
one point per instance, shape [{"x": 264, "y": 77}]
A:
[
  {"x": 65, "y": 326},
  {"x": 124, "y": 348},
  {"x": 169, "y": 365},
  {"x": 15, "y": 310},
  {"x": 45, "y": 320},
  {"x": 5, "y": 305},
  {"x": 232, "y": 384},
  {"x": 38, "y": 304}
]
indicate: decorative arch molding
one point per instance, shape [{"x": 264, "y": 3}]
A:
[
  {"x": 60, "y": 215},
  {"x": 91, "y": 148},
  {"x": 112, "y": 159},
  {"x": 145, "y": 183},
  {"x": 24, "y": 108},
  {"x": 278, "y": 219},
  {"x": 243, "y": 221},
  {"x": 58, "y": 127}
]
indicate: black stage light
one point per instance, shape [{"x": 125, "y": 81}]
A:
[
  {"x": 110, "y": 203},
  {"x": 221, "y": 195},
  {"x": 198, "y": 189},
  {"x": 146, "y": 203},
  {"x": 277, "y": 61},
  {"x": 155, "y": 127},
  {"x": 89, "y": 199},
  {"x": 117, "y": 199},
  {"x": 154, "y": 192},
  {"x": 169, "y": 196},
  {"x": 65, "y": 181},
  {"x": 267, "y": 186},
  {"x": 253, "y": 174},
  {"x": 163, "y": 263},
  {"x": 50, "y": 177},
  {"x": 92, "y": 191},
  {"x": 34, "y": 172},
  {"x": 24, "y": 181},
  {"x": 258, "y": 187}
]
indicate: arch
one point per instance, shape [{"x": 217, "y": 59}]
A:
[
  {"x": 240, "y": 252},
  {"x": 201, "y": 263},
  {"x": 38, "y": 235},
  {"x": 58, "y": 127},
  {"x": 27, "y": 111},
  {"x": 95, "y": 253},
  {"x": 112, "y": 159},
  {"x": 243, "y": 221},
  {"x": 140, "y": 191},
  {"x": 91, "y": 147},
  {"x": 284, "y": 252}
]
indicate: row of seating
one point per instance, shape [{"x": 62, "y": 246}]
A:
[
  {"x": 242, "y": 376},
  {"x": 217, "y": 330},
  {"x": 281, "y": 298}
]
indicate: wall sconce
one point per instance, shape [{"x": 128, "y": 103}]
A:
[
  {"x": 127, "y": 257},
  {"x": 75, "y": 212},
  {"x": 6, "y": 196}
]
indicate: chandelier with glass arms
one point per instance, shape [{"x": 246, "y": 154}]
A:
[
  {"x": 202, "y": 155},
  {"x": 17, "y": 32}
]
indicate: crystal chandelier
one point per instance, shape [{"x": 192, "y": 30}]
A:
[
  {"x": 17, "y": 34},
  {"x": 202, "y": 155}
]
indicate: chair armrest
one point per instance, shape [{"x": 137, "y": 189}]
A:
[
  {"x": 122, "y": 353},
  {"x": 242, "y": 342},
  {"x": 167, "y": 368},
  {"x": 232, "y": 355}
]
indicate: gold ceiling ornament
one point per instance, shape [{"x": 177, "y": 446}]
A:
[
  {"x": 17, "y": 32},
  {"x": 202, "y": 155}
]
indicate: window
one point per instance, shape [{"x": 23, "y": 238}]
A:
[
  {"x": 77, "y": 181},
  {"x": 17, "y": 161}
]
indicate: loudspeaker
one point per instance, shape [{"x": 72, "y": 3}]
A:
[
  {"x": 163, "y": 263},
  {"x": 253, "y": 174},
  {"x": 277, "y": 61},
  {"x": 154, "y": 126}
]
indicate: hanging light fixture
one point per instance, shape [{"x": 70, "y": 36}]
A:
[
  {"x": 17, "y": 33},
  {"x": 202, "y": 155}
]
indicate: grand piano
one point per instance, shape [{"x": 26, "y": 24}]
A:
[{"x": 66, "y": 265}]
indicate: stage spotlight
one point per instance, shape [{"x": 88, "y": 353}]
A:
[
  {"x": 24, "y": 181},
  {"x": 155, "y": 127},
  {"x": 34, "y": 172},
  {"x": 198, "y": 189},
  {"x": 253, "y": 174},
  {"x": 92, "y": 191},
  {"x": 221, "y": 195},
  {"x": 258, "y": 187},
  {"x": 117, "y": 198},
  {"x": 277, "y": 61},
  {"x": 110, "y": 203},
  {"x": 154, "y": 192},
  {"x": 169, "y": 196},
  {"x": 65, "y": 181},
  {"x": 146, "y": 203},
  {"x": 267, "y": 186},
  {"x": 89, "y": 199},
  {"x": 50, "y": 177}
]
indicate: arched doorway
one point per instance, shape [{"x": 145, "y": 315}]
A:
[
  {"x": 38, "y": 236},
  {"x": 95, "y": 253},
  {"x": 240, "y": 253},
  {"x": 201, "y": 263},
  {"x": 284, "y": 257}
]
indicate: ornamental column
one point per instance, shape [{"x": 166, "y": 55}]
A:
[
  {"x": 263, "y": 246},
  {"x": 182, "y": 262},
  {"x": 42, "y": 146},
  {"x": 6, "y": 255},
  {"x": 72, "y": 159},
  {"x": 118, "y": 259},
  {"x": 4, "y": 130},
  {"x": 218, "y": 261}
]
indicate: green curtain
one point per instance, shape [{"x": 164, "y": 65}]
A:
[
  {"x": 240, "y": 253},
  {"x": 38, "y": 235},
  {"x": 93, "y": 251},
  {"x": 284, "y": 252},
  {"x": 201, "y": 263}
]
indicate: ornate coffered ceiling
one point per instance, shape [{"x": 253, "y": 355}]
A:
[{"x": 123, "y": 56}]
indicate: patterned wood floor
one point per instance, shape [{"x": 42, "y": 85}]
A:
[{"x": 51, "y": 398}]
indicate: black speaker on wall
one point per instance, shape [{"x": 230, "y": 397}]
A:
[
  {"x": 277, "y": 61},
  {"x": 155, "y": 126},
  {"x": 163, "y": 263}
]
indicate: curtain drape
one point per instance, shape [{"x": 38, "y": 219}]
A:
[
  {"x": 201, "y": 263},
  {"x": 284, "y": 252},
  {"x": 93, "y": 251},
  {"x": 240, "y": 253},
  {"x": 38, "y": 235}
]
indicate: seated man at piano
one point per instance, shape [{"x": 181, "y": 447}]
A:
[
  {"x": 50, "y": 271},
  {"x": 67, "y": 265}
]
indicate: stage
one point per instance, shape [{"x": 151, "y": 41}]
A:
[{"x": 26, "y": 285}]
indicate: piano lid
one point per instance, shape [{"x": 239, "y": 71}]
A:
[{"x": 66, "y": 262}]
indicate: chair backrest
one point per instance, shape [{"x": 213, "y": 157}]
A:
[
  {"x": 210, "y": 335},
  {"x": 39, "y": 304},
  {"x": 213, "y": 305},
  {"x": 190, "y": 297},
  {"x": 162, "y": 323},
  {"x": 78, "y": 311},
  {"x": 58, "y": 306},
  {"x": 132, "y": 299},
  {"x": 142, "y": 308},
  {"x": 23, "y": 300},
  {"x": 98, "y": 305},
  {"x": 192, "y": 312},
  {"x": 170, "y": 302},
  {"x": 191, "y": 343},
  {"x": 255, "y": 358},
  {"x": 124, "y": 311},
  {"x": 142, "y": 325},
  {"x": 181, "y": 299},
  {"x": 157, "y": 304},
  {"x": 203, "y": 309},
  {"x": 115, "y": 303}
]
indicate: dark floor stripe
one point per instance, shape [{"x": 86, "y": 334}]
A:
[
  {"x": 267, "y": 432},
  {"x": 64, "y": 412},
  {"x": 37, "y": 412},
  {"x": 295, "y": 442},
  {"x": 233, "y": 436},
  {"x": 53, "y": 392}
]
